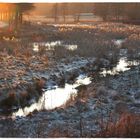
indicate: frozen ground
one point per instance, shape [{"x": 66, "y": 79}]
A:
[{"x": 85, "y": 73}]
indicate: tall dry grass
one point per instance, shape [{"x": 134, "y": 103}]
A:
[{"x": 127, "y": 126}]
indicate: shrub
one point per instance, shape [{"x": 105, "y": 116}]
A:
[
  {"x": 126, "y": 126},
  {"x": 10, "y": 100},
  {"x": 39, "y": 84}
]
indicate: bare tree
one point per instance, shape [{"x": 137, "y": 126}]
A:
[
  {"x": 102, "y": 10},
  {"x": 64, "y": 8},
  {"x": 55, "y": 12},
  {"x": 20, "y": 9}
]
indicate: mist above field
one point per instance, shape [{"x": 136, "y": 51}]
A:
[{"x": 71, "y": 8}]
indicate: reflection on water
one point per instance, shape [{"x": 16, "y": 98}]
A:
[
  {"x": 47, "y": 45},
  {"x": 71, "y": 47},
  {"x": 35, "y": 47},
  {"x": 119, "y": 42},
  {"x": 123, "y": 65},
  {"x": 52, "y": 45},
  {"x": 82, "y": 80},
  {"x": 58, "y": 97},
  {"x": 55, "y": 97}
]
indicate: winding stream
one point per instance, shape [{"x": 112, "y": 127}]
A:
[
  {"x": 123, "y": 65},
  {"x": 57, "y": 97},
  {"x": 54, "y": 98}
]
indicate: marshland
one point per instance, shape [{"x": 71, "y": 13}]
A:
[{"x": 69, "y": 78}]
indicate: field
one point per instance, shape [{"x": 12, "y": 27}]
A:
[{"x": 70, "y": 80}]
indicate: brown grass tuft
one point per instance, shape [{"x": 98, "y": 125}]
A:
[{"x": 127, "y": 126}]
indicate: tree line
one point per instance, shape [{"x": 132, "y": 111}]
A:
[
  {"x": 118, "y": 11},
  {"x": 107, "y": 11},
  {"x": 73, "y": 9}
]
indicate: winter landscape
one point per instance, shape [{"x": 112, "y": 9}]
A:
[{"x": 73, "y": 74}]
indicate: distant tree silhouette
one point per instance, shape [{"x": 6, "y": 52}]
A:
[
  {"x": 55, "y": 12},
  {"x": 20, "y": 9},
  {"x": 132, "y": 11},
  {"x": 64, "y": 8},
  {"x": 118, "y": 11},
  {"x": 102, "y": 10}
]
